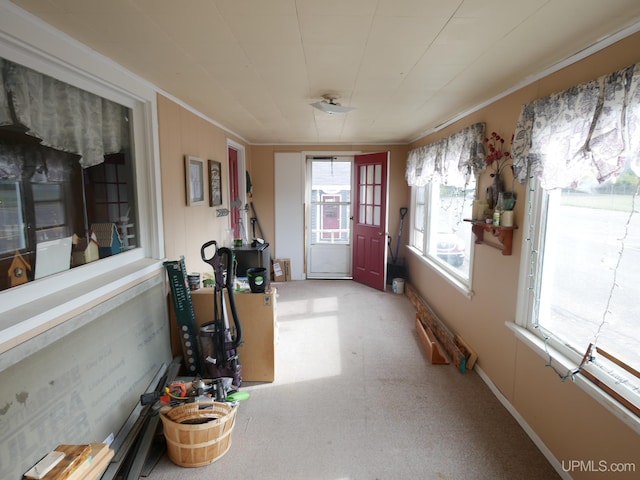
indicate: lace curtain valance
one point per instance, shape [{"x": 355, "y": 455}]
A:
[
  {"x": 592, "y": 129},
  {"x": 452, "y": 160},
  {"x": 62, "y": 116}
]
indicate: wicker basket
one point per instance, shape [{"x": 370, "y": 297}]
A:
[{"x": 198, "y": 433}]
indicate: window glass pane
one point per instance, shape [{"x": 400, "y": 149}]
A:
[
  {"x": 377, "y": 197},
  {"x": 12, "y": 225},
  {"x": 370, "y": 174},
  {"x": 590, "y": 282},
  {"x": 100, "y": 192},
  {"x": 114, "y": 211},
  {"x": 376, "y": 216},
  {"x": 369, "y": 219},
  {"x": 378, "y": 174},
  {"x": 59, "y": 194},
  {"x": 43, "y": 192},
  {"x": 418, "y": 238},
  {"x": 101, "y": 210},
  {"x": 112, "y": 192},
  {"x": 330, "y": 197},
  {"x": 49, "y": 214},
  {"x": 122, "y": 193},
  {"x": 450, "y": 237}
]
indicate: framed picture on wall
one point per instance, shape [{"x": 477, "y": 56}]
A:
[
  {"x": 215, "y": 183},
  {"x": 195, "y": 180}
]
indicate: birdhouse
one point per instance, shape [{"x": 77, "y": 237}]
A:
[
  {"x": 18, "y": 269},
  {"x": 108, "y": 238},
  {"x": 83, "y": 251}
]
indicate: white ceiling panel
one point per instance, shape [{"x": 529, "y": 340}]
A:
[
  {"x": 407, "y": 66},
  {"x": 336, "y": 7}
]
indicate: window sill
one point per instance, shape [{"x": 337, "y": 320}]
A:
[
  {"x": 51, "y": 302},
  {"x": 459, "y": 285},
  {"x": 538, "y": 345}
]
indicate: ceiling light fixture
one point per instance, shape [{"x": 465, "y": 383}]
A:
[{"x": 328, "y": 104}]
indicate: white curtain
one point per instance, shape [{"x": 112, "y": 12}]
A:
[
  {"x": 62, "y": 116},
  {"x": 425, "y": 163},
  {"x": 452, "y": 160},
  {"x": 586, "y": 131}
]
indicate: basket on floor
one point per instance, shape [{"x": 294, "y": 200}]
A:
[{"x": 198, "y": 433}]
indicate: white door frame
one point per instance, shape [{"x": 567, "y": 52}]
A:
[
  {"x": 290, "y": 188},
  {"x": 289, "y": 176},
  {"x": 337, "y": 262},
  {"x": 242, "y": 184}
]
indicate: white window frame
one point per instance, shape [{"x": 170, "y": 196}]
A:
[
  {"x": 418, "y": 244},
  {"x": 37, "y": 306},
  {"x": 564, "y": 358},
  {"x": 446, "y": 271}
]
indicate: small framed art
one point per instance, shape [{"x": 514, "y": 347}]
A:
[
  {"x": 215, "y": 183},
  {"x": 195, "y": 179}
]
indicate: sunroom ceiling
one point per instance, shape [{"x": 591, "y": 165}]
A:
[{"x": 406, "y": 66}]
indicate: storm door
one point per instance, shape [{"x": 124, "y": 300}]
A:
[{"x": 329, "y": 217}]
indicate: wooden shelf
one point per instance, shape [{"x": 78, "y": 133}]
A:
[{"x": 503, "y": 234}]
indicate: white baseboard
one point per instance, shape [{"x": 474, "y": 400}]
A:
[{"x": 525, "y": 426}]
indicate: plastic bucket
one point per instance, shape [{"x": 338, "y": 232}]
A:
[
  {"x": 398, "y": 286},
  {"x": 257, "y": 279}
]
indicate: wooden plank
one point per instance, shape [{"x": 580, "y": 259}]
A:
[
  {"x": 618, "y": 362},
  {"x": 101, "y": 455},
  {"x": 430, "y": 320},
  {"x": 74, "y": 457},
  {"x": 466, "y": 350},
  {"x": 603, "y": 386},
  {"x": 432, "y": 348}
]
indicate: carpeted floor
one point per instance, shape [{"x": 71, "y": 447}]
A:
[{"x": 356, "y": 399}]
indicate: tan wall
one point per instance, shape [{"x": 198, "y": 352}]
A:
[
  {"x": 569, "y": 422},
  {"x": 188, "y": 228}
]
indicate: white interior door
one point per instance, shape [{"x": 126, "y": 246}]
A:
[
  {"x": 289, "y": 211},
  {"x": 329, "y": 217}
]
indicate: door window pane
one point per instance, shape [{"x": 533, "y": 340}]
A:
[{"x": 330, "y": 202}]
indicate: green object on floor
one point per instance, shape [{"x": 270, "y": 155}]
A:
[{"x": 238, "y": 396}]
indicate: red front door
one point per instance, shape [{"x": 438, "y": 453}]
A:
[{"x": 370, "y": 219}]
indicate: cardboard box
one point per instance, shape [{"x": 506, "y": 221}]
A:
[
  {"x": 257, "y": 315},
  {"x": 282, "y": 270}
]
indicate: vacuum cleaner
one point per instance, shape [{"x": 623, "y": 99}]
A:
[{"x": 218, "y": 342}]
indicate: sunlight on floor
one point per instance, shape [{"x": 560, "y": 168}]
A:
[{"x": 312, "y": 328}]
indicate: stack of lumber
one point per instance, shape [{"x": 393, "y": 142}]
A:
[
  {"x": 80, "y": 462},
  {"x": 430, "y": 344},
  {"x": 436, "y": 338}
]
